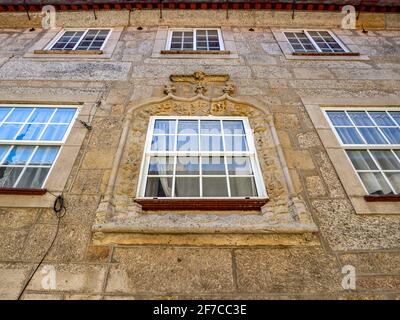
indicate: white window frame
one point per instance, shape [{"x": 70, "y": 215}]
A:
[
  {"x": 86, "y": 30},
  {"x": 251, "y": 153},
  {"x": 365, "y": 147},
  {"x": 194, "y": 30},
  {"x": 38, "y": 143},
  {"x": 306, "y": 32}
]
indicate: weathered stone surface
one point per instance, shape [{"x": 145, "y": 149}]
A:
[
  {"x": 315, "y": 186},
  {"x": 11, "y": 244},
  {"x": 88, "y": 182},
  {"x": 345, "y": 231},
  {"x": 12, "y": 279},
  {"x": 71, "y": 70},
  {"x": 156, "y": 270},
  {"x": 17, "y": 218},
  {"x": 73, "y": 278},
  {"x": 302, "y": 270},
  {"x": 70, "y": 244}
]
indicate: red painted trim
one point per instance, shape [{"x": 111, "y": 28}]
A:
[
  {"x": 383, "y": 198},
  {"x": 202, "y": 204},
  {"x": 23, "y": 191},
  {"x": 206, "y": 5}
]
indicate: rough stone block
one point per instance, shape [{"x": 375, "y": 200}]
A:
[{"x": 166, "y": 269}]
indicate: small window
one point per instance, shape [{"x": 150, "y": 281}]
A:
[
  {"x": 314, "y": 41},
  {"x": 371, "y": 139},
  {"x": 30, "y": 140},
  {"x": 200, "y": 157},
  {"x": 90, "y": 39},
  {"x": 195, "y": 40}
]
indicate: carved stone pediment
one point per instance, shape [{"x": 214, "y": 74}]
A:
[
  {"x": 201, "y": 82},
  {"x": 284, "y": 213}
]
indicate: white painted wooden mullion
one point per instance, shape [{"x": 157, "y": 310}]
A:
[{"x": 382, "y": 172}]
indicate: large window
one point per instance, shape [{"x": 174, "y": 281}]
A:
[
  {"x": 195, "y": 39},
  {"x": 30, "y": 140},
  {"x": 200, "y": 157},
  {"x": 89, "y": 39},
  {"x": 371, "y": 139},
  {"x": 314, "y": 41}
]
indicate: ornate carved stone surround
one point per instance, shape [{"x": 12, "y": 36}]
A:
[{"x": 118, "y": 213}]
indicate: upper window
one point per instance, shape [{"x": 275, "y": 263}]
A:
[
  {"x": 90, "y": 39},
  {"x": 195, "y": 40},
  {"x": 200, "y": 157},
  {"x": 314, "y": 41},
  {"x": 30, "y": 140},
  {"x": 372, "y": 142}
]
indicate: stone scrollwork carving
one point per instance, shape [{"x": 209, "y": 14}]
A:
[{"x": 284, "y": 213}]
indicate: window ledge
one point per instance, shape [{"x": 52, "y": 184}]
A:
[
  {"x": 351, "y": 54},
  {"x": 23, "y": 191},
  {"x": 202, "y": 204},
  {"x": 382, "y": 198},
  {"x": 72, "y": 52},
  {"x": 195, "y": 52}
]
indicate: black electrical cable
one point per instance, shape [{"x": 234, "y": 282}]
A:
[{"x": 60, "y": 210}]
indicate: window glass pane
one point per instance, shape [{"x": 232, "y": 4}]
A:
[
  {"x": 372, "y": 136},
  {"x": 386, "y": 159},
  {"x": 375, "y": 183},
  {"x": 159, "y": 187},
  {"x": 19, "y": 155},
  {"x": 215, "y": 187},
  {"x": 187, "y": 165},
  {"x": 33, "y": 178},
  {"x": 188, "y": 143},
  {"x": 396, "y": 116},
  {"x": 397, "y": 152},
  {"x": 163, "y": 143},
  {"x": 164, "y": 126},
  {"x": 239, "y": 165},
  {"x": 44, "y": 156},
  {"x": 9, "y": 175},
  {"x": 236, "y": 143},
  {"x": 339, "y": 118},
  {"x": 4, "y": 112},
  {"x": 211, "y": 143},
  {"x": 30, "y": 132},
  {"x": 233, "y": 127},
  {"x": 19, "y": 115},
  {"x": 3, "y": 151},
  {"x": 161, "y": 166},
  {"x": 382, "y": 118},
  {"x": 393, "y": 134},
  {"x": 187, "y": 187},
  {"x": 210, "y": 127},
  {"x": 54, "y": 132},
  {"x": 360, "y": 118},
  {"x": 394, "y": 178},
  {"x": 213, "y": 165},
  {"x": 41, "y": 115},
  {"x": 243, "y": 187},
  {"x": 63, "y": 115},
  {"x": 361, "y": 160},
  {"x": 8, "y": 131},
  {"x": 189, "y": 127}
]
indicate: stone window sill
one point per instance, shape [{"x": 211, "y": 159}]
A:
[
  {"x": 23, "y": 191},
  {"x": 69, "y": 52},
  {"x": 194, "y": 52},
  {"x": 350, "y": 54},
  {"x": 202, "y": 204},
  {"x": 383, "y": 198}
]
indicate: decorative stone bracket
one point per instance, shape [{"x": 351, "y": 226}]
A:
[{"x": 118, "y": 213}]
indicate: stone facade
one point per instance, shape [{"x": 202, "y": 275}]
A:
[{"x": 296, "y": 263}]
